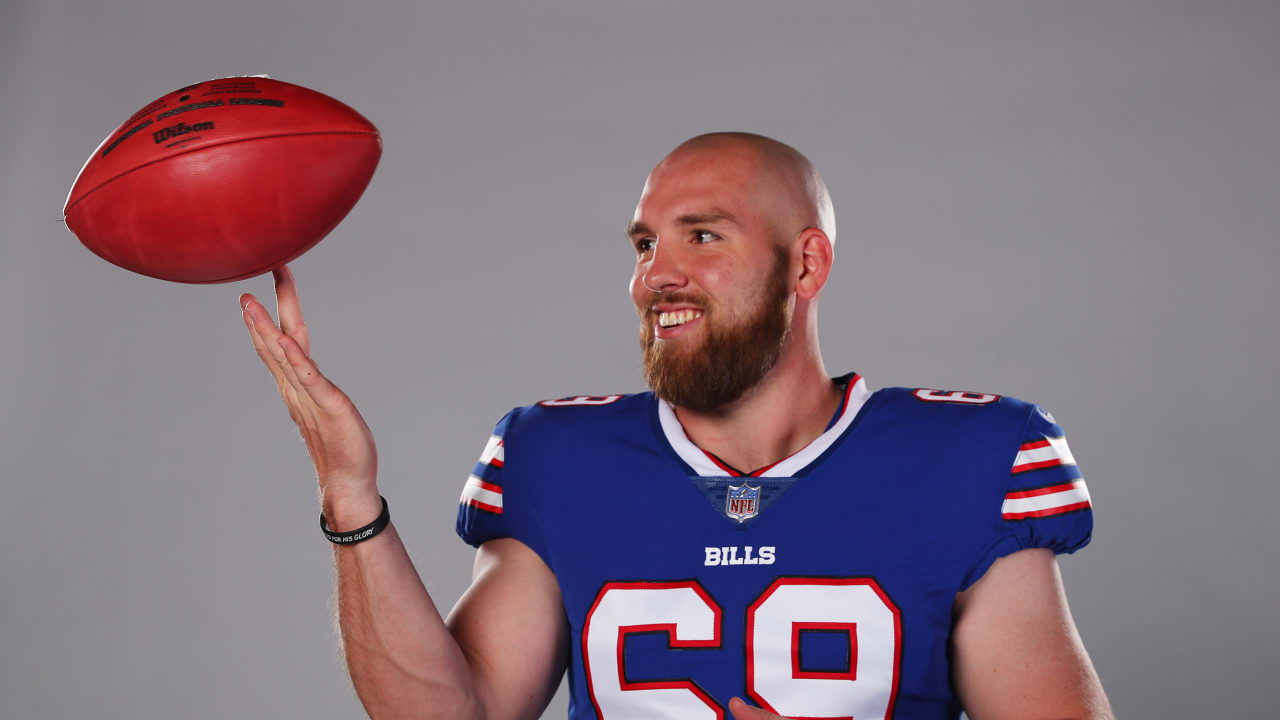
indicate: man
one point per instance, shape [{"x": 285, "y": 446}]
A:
[{"x": 750, "y": 529}]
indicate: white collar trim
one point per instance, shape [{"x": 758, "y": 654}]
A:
[{"x": 703, "y": 465}]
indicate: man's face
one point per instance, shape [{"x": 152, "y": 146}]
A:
[{"x": 710, "y": 284}]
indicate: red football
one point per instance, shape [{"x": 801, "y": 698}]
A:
[{"x": 222, "y": 180}]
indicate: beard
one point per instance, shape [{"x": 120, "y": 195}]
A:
[{"x": 731, "y": 360}]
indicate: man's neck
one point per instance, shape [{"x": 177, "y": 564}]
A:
[{"x": 784, "y": 412}]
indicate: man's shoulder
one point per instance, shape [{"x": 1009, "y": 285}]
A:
[
  {"x": 936, "y": 397},
  {"x": 576, "y": 416},
  {"x": 942, "y": 405}
]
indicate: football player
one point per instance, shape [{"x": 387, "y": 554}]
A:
[{"x": 750, "y": 529}]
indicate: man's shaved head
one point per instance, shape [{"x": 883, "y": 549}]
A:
[
  {"x": 733, "y": 237},
  {"x": 782, "y": 183}
]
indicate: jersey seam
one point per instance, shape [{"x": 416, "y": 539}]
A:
[
  {"x": 1022, "y": 433},
  {"x": 1004, "y": 491},
  {"x": 529, "y": 510}
]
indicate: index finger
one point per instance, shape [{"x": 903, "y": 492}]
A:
[{"x": 289, "y": 309}]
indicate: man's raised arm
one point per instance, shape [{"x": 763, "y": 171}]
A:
[{"x": 502, "y": 652}]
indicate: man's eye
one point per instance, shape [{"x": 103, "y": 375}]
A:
[
  {"x": 705, "y": 236},
  {"x": 644, "y": 245}
]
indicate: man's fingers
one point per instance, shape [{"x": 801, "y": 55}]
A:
[
  {"x": 314, "y": 385},
  {"x": 266, "y": 341},
  {"x": 260, "y": 346},
  {"x": 289, "y": 308},
  {"x": 743, "y": 711},
  {"x": 265, "y": 328},
  {"x": 336, "y": 436}
]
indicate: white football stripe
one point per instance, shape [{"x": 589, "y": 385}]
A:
[
  {"x": 474, "y": 491},
  {"x": 493, "y": 451},
  {"x": 1076, "y": 494},
  {"x": 1056, "y": 450}
]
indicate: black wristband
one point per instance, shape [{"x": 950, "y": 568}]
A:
[{"x": 359, "y": 534}]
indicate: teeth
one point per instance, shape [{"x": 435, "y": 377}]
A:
[{"x": 678, "y": 317}]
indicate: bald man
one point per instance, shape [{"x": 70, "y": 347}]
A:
[{"x": 750, "y": 528}]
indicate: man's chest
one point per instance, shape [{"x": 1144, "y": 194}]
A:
[{"x": 833, "y": 595}]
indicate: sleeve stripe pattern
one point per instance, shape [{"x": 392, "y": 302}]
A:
[
  {"x": 483, "y": 495},
  {"x": 479, "y": 491},
  {"x": 493, "y": 452},
  {"x": 1043, "y": 453},
  {"x": 1042, "y": 502}
]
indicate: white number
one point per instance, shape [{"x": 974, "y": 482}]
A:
[
  {"x": 681, "y": 609},
  {"x": 955, "y": 396},
  {"x": 856, "y": 606},
  {"x": 581, "y": 400},
  {"x": 691, "y": 618}
]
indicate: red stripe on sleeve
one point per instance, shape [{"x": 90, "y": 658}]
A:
[
  {"x": 1037, "y": 465},
  {"x": 484, "y": 506},
  {"x": 1040, "y": 491}
]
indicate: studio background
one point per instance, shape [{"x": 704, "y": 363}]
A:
[{"x": 1071, "y": 203}]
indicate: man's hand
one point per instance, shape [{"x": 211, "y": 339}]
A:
[
  {"x": 337, "y": 437},
  {"x": 743, "y": 711}
]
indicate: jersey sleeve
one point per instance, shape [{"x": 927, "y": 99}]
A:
[
  {"x": 1046, "y": 503},
  {"x": 496, "y": 500}
]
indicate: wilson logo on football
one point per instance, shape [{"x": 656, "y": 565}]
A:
[{"x": 174, "y": 131}]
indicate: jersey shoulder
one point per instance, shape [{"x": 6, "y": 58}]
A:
[
  {"x": 531, "y": 438},
  {"x": 534, "y": 448},
  {"x": 983, "y": 413},
  {"x": 1025, "y": 437},
  {"x": 1018, "y": 453},
  {"x": 575, "y": 418}
]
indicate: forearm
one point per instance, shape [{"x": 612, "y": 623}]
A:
[{"x": 402, "y": 659}]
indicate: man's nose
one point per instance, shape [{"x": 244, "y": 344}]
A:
[{"x": 663, "y": 273}]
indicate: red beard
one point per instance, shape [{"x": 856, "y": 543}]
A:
[{"x": 730, "y": 360}]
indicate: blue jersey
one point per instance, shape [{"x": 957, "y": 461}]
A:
[{"x": 819, "y": 587}]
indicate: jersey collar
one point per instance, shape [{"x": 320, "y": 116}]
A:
[{"x": 703, "y": 464}]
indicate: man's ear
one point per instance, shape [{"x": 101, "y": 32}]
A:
[{"x": 816, "y": 256}]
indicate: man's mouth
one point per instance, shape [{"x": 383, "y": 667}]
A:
[{"x": 677, "y": 317}]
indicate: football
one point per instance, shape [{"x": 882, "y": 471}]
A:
[{"x": 222, "y": 180}]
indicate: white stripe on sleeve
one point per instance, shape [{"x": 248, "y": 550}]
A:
[
  {"x": 1055, "y": 452},
  {"x": 476, "y": 489}
]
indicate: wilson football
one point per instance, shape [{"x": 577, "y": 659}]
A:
[{"x": 222, "y": 180}]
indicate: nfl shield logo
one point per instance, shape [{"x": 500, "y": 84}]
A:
[{"x": 742, "y": 502}]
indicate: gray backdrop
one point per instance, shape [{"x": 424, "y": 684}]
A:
[{"x": 1074, "y": 203}]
